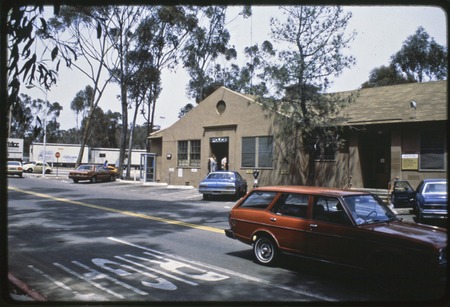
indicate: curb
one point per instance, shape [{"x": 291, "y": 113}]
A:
[{"x": 24, "y": 287}]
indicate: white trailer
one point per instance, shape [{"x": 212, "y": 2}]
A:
[
  {"x": 100, "y": 155},
  {"x": 68, "y": 153},
  {"x": 15, "y": 149}
]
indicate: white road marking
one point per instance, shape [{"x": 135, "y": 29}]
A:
[
  {"x": 160, "y": 283},
  {"x": 154, "y": 270},
  {"x": 97, "y": 285},
  {"x": 226, "y": 271},
  {"x": 78, "y": 295}
]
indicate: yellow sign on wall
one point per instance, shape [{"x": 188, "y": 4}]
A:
[{"x": 410, "y": 161}]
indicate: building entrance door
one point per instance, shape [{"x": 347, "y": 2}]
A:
[
  {"x": 376, "y": 159},
  {"x": 219, "y": 148}
]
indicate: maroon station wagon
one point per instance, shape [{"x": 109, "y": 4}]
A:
[{"x": 340, "y": 226}]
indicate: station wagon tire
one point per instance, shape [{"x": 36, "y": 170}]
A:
[
  {"x": 205, "y": 196},
  {"x": 75, "y": 180},
  {"x": 30, "y": 170},
  {"x": 47, "y": 171},
  {"x": 265, "y": 251},
  {"x": 94, "y": 179}
]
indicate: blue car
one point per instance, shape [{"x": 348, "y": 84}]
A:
[
  {"x": 431, "y": 199},
  {"x": 223, "y": 183}
]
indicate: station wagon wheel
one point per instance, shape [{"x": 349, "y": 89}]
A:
[
  {"x": 265, "y": 250},
  {"x": 94, "y": 179}
]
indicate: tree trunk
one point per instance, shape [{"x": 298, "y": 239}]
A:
[
  {"x": 85, "y": 138},
  {"x": 123, "y": 134}
]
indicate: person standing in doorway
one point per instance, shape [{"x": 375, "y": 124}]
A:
[
  {"x": 224, "y": 164},
  {"x": 213, "y": 163}
]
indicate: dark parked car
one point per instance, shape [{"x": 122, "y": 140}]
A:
[
  {"x": 429, "y": 200},
  {"x": 223, "y": 183},
  {"x": 347, "y": 227},
  {"x": 91, "y": 172}
]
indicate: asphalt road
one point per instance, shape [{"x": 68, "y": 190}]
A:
[{"x": 127, "y": 242}]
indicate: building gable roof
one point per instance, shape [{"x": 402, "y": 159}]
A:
[
  {"x": 392, "y": 104},
  {"x": 207, "y": 116},
  {"x": 378, "y": 105}
]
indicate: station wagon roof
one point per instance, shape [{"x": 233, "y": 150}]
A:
[{"x": 311, "y": 190}]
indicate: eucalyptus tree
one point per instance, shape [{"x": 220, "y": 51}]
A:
[
  {"x": 105, "y": 129},
  {"x": 80, "y": 104},
  {"x": 23, "y": 62},
  {"x": 141, "y": 79},
  {"x": 386, "y": 75},
  {"x": 160, "y": 37},
  {"x": 206, "y": 43},
  {"x": 312, "y": 40},
  {"x": 83, "y": 31},
  {"x": 421, "y": 58},
  {"x": 29, "y": 117},
  {"x": 120, "y": 28}
]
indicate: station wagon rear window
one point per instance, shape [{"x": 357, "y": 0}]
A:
[{"x": 259, "y": 200}]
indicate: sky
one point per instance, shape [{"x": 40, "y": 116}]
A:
[{"x": 381, "y": 32}]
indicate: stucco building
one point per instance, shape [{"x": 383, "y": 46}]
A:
[{"x": 393, "y": 131}]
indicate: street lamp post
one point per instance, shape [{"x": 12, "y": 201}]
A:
[{"x": 45, "y": 125}]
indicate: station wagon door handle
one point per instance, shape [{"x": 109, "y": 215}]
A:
[
  {"x": 273, "y": 219},
  {"x": 312, "y": 226}
]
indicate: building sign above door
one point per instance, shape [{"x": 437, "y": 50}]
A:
[{"x": 219, "y": 140}]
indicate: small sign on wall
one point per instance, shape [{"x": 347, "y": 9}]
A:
[{"x": 410, "y": 161}]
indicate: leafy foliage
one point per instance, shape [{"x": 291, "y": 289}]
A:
[
  {"x": 205, "y": 44},
  {"x": 421, "y": 58},
  {"x": 385, "y": 75},
  {"x": 313, "y": 40},
  {"x": 23, "y": 64}
]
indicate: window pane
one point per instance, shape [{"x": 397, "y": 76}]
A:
[
  {"x": 259, "y": 200},
  {"x": 183, "y": 153},
  {"x": 248, "y": 152},
  {"x": 195, "y": 153},
  {"x": 432, "y": 150},
  {"x": 265, "y": 151},
  {"x": 292, "y": 205}
]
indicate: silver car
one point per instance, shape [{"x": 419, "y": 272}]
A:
[{"x": 15, "y": 168}]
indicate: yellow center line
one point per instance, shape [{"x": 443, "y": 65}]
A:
[{"x": 128, "y": 213}]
